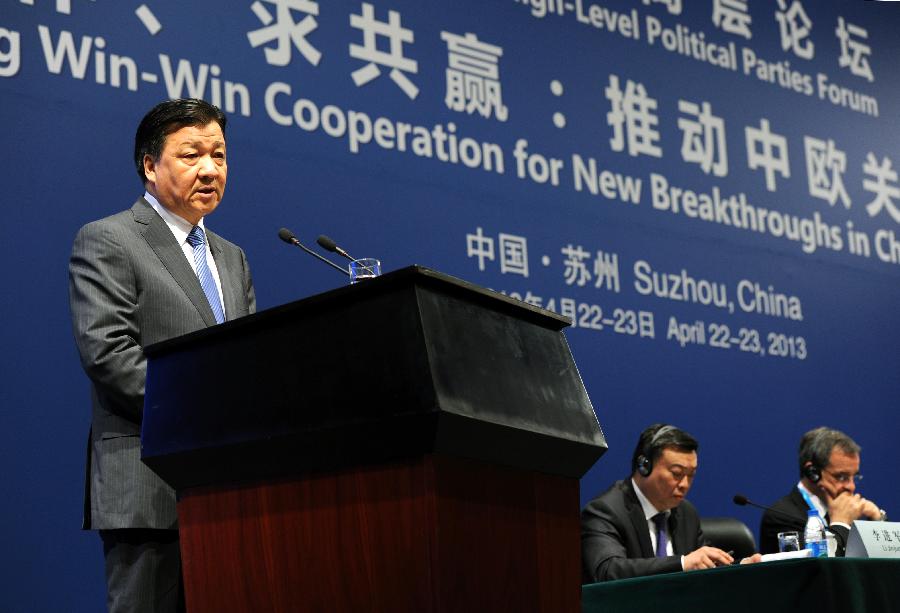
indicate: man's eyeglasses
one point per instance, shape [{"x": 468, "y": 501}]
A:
[{"x": 844, "y": 477}]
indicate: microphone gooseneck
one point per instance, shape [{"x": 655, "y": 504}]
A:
[
  {"x": 741, "y": 500},
  {"x": 289, "y": 237}
]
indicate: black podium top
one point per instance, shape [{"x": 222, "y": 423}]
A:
[{"x": 412, "y": 362}]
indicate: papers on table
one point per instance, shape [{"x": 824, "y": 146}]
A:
[{"x": 786, "y": 555}]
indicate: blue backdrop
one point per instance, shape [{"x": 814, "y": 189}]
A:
[{"x": 708, "y": 189}]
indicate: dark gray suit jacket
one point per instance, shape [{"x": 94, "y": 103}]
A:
[
  {"x": 789, "y": 513},
  {"x": 615, "y": 540},
  {"x": 130, "y": 285}
]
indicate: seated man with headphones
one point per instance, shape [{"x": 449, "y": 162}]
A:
[
  {"x": 829, "y": 472},
  {"x": 643, "y": 525}
]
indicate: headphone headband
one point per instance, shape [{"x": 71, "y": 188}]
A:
[{"x": 644, "y": 460}]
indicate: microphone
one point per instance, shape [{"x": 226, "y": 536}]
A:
[
  {"x": 741, "y": 500},
  {"x": 329, "y": 245},
  {"x": 288, "y": 237}
]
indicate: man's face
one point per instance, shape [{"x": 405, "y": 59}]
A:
[
  {"x": 837, "y": 476},
  {"x": 189, "y": 176},
  {"x": 671, "y": 478}
]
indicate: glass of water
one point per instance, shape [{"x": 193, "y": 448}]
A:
[
  {"x": 788, "y": 541},
  {"x": 364, "y": 268}
]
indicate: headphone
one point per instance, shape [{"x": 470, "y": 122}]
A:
[
  {"x": 644, "y": 463},
  {"x": 812, "y": 472}
]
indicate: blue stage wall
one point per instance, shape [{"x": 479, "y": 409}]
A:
[{"x": 708, "y": 189}]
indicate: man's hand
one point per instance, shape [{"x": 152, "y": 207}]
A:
[
  {"x": 706, "y": 557},
  {"x": 756, "y": 557},
  {"x": 848, "y": 507},
  {"x": 871, "y": 510}
]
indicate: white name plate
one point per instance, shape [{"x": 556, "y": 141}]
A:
[{"x": 874, "y": 539}]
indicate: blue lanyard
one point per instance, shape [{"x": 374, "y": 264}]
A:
[{"x": 808, "y": 500}]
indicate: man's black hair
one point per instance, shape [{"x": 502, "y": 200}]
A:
[
  {"x": 167, "y": 117},
  {"x": 658, "y": 437}
]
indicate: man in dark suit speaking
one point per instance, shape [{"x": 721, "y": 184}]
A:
[
  {"x": 142, "y": 276},
  {"x": 643, "y": 525}
]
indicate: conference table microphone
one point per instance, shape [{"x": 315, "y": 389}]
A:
[
  {"x": 741, "y": 500},
  {"x": 288, "y": 237},
  {"x": 329, "y": 245}
]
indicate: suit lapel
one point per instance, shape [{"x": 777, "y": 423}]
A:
[
  {"x": 678, "y": 537},
  {"x": 800, "y": 502},
  {"x": 229, "y": 284},
  {"x": 169, "y": 252},
  {"x": 639, "y": 522}
]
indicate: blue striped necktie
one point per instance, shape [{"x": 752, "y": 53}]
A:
[{"x": 197, "y": 240}]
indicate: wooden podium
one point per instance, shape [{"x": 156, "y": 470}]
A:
[{"x": 412, "y": 443}]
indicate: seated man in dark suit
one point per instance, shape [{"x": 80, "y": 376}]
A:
[
  {"x": 643, "y": 525},
  {"x": 829, "y": 470}
]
